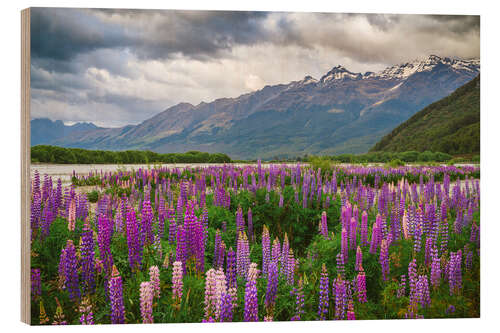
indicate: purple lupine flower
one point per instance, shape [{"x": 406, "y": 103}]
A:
[
  {"x": 324, "y": 226},
  {"x": 104, "y": 233},
  {"x": 116, "y": 297},
  {"x": 146, "y": 299},
  {"x": 455, "y": 272},
  {"x": 384, "y": 259},
  {"x": 323, "y": 294},
  {"x": 266, "y": 250},
  {"x": 422, "y": 291},
  {"x": 219, "y": 263},
  {"x": 435, "y": 272},
  {"x": 290, "y": 278},
  {"x": 36, "y": 286},
  {"x": 172, "y": 230},
  {"x": 299, "y": 302},
  {"x": 251, "y": 304},
  {"x": 272, "y": 287},
  {"x": 177, "y": 283},
  {"x": 412, "y": 276},
  {"x": 231, "y": 268},
  {"x": 226, "y": 308},
  {"x": 71, "y": 271},
  {"x": 133, "y": 242},
  {"x": 87, "y": 260},
  {"x": 240, "y": 221}
]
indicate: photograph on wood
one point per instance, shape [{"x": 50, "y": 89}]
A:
[{"x": 184, "y": 166}]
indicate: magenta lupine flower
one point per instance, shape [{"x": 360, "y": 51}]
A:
[
  {"x": 116, "y": 297},
  {"x": 375, "y": 238},
  {"x": 242, "y": 255},
  {"x": 272, "y": 287},
  {"x": 266, "y": 250},
  {"x": 359, "y": 259},
  {"x": 87, "y": 260},
  {"x": 36, "y": 286},
  {"x": 361, "y": 286},
  {"x": 323, "y": 294},
  {"x": 154, "y": 278},
  {"x": 251, "y": 304},
  {"x": 71, "y": 271},
  {"x": 350, "y": 311},
  {"x": 231, "y": 268},
  {"x": 146, "y": 298},
  {"x": 133, "y": 241},
  {"x": 299, "y": 302},
  {"x": 364, "y": 229},
  {"x": 340, "y": 298},
  {"x": 324, "y": 226},
  {"x": 384, "y": 259},
  {"x": 353, "y": 233},
  {"x": 177, "y": 283},
  {"x": 344, "y": 246}
]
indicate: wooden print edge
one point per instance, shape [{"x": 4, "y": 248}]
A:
[{"x": 25, "y": 167}]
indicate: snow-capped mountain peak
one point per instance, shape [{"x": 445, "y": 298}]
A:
[{"x": 339, "y": 72}]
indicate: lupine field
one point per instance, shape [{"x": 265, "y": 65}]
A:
[{"x": 256, "y": 243}]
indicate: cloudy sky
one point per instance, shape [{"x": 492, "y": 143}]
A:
[{"x": 118, "y": 67}]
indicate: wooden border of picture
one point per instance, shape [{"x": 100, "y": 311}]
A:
[{"x": 25, "y": 166}]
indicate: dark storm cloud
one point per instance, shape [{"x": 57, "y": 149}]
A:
[
  {"x": 121, "y": 66},
  {"x": 62, "y": 34}
]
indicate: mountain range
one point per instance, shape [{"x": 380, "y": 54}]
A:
[{"x": 342, "y": 112}]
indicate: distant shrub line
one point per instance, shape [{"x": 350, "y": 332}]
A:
[
  {"x": 387, "y": 157},
  {"x": 60, "y": 155}
]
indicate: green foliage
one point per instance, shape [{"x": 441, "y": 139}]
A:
[
  {"x": 450, "y": 125},
  {"x": 93, "y": 196}
]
